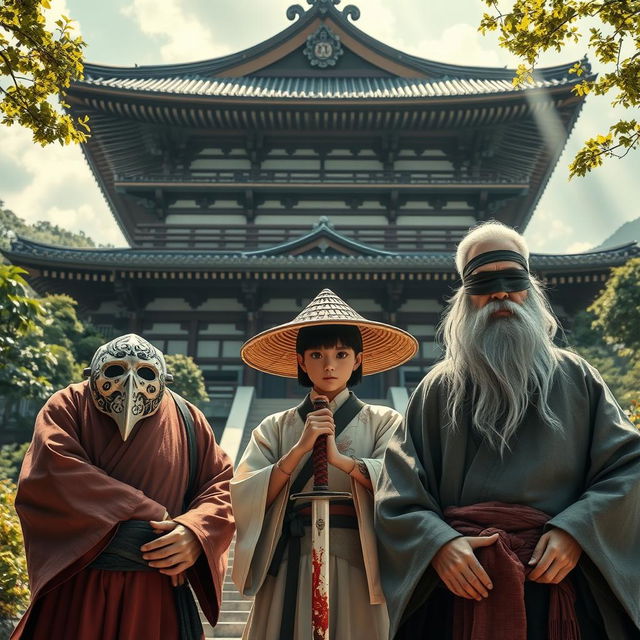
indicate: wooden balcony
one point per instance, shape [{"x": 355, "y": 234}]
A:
[
  {"x": 352, "y": 180},
  {"x": 401, "y": 239}
]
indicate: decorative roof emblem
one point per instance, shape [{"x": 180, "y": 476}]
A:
[
  {"x": 323, "y": 48},
  {"x": 322, "y": 7}
]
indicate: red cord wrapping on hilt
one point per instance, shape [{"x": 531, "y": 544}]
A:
[{"x": 320, "y": 465}]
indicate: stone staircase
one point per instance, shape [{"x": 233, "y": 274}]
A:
[
  {"x": 260, "y": 409},
  {"x": 233, "y": 612}
]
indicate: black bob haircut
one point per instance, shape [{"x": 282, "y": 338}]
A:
[{"x": 329, "y": 335}]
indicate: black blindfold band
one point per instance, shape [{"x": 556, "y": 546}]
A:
[
  {"x": 500, "y": 255},
  {"x": 486, "y": 282}
]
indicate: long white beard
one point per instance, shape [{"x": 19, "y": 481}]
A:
[{"x": 507, "y": 362}]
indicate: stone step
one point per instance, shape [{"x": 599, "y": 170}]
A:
[
  {"x": 231, "y": 589},
  {"x": 232, "y": 596},
  {"x": 228, "y": 584},
  {"x": 233, "y": 616},
  {"x": 236, "y": 605},
  {"x": 227, "y": 630}
]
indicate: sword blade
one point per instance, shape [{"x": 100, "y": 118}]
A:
[{"x": 320, "y": 569}]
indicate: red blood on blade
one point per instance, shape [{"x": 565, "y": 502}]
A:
[{"x": 319, "y": 603}]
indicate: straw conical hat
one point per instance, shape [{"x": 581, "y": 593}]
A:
[{"x": 274, "y": 351}]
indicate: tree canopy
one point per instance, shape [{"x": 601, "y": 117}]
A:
[
  {"x": 188, "y": 380},
  {"x": 43, "y": 344},
  {"x": 617, "y": 309},
  {"x": 41, "y": 231},
  {"x": 26, "y": 363},
  {"x": 37, "y": 65},
  {"x": 607, "y": 335},
  {"x": 611, "y": 32},
  {"x": 14, "y": 583}
]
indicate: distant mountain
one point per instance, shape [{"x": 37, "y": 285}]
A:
[
  {"x": 628, "y": 232},
  {"x": 42, "y": 231}
]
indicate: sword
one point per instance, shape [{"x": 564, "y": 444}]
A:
[{"x": 320, "y": 498}]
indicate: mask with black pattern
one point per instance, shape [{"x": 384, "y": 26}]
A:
[{"x": 127, "y": 380}]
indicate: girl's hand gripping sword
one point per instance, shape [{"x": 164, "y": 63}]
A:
[{"x": 320, "y": 497}]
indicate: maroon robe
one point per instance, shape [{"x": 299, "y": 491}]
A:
[{"x": 78, "y": 481}]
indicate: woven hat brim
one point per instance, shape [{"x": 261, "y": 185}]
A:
[{"x": 274, "y": 351}]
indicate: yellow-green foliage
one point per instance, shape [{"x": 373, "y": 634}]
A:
[
  {"x": 609, "y": 31},
  {"x": 36, "y": 65},
  {"x": 14, "y": 591},
  {"x": 634, "y": 413}
]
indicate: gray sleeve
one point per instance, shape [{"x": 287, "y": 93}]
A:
[
  {"x": 605, "y": 520},
  {"x": 408, "y": 519}
]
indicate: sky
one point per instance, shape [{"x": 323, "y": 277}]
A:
[{"x": 56, "y": 184}]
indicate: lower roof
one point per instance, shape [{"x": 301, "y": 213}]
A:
[{"x": 28, "y": 253}]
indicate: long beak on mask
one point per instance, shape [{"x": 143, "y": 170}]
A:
[{"x": 128, "y": 419}]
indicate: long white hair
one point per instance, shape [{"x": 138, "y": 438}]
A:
[{"x": 498, "y": 366}]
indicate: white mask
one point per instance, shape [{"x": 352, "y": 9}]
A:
[{"x": 127, "y": 380}]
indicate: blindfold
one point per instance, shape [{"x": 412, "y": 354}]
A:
[{"x": 486, "y": 282}]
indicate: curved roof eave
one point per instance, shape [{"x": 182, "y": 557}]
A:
[
  {"x": 88, "y": 88},
  {"x": 33, "y": 253},
  {"x": 323, "y": 230}
]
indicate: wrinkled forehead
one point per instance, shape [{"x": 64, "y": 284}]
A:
[{"x": 504, "y": 244}]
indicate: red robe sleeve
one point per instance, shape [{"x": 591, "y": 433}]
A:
[
  {"x": 66, "y": 504},
  {"x": 210, "y": 518}
]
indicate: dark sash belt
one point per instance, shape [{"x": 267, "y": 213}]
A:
[
  {"x": 292, "y": 533},
  {"x": 123, "y": 554}
]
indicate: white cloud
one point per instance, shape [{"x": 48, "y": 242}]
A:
[
  {"x": 378, "y": 19},
  {"x": 58, "y": 9},
  {"x": 551, "y": 232},
  {"x": 187, "y": 38},
  {"x": 56, "y": 185},
  {"x": 579, "y": 247},
  {"x": 462, "y": 44}
]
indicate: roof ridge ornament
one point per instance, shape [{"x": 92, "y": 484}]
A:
[
  {"x": 323, "y": 48},
  {"x": 323, "y": 223},
  {"x": 322, "y": 7}
]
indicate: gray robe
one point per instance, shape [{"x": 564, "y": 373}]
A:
[{"x": 586, "y": 477}]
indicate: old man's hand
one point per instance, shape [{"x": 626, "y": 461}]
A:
[
  {"x": 555, "y": 555},
  {"x": 456, "y": 564},
  {"x": 174, "y": 552}
]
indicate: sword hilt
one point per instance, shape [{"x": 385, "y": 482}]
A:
[{"x": 319, "y": 456}]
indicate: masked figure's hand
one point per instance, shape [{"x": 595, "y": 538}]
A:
[{"x": 174, "y": 552}]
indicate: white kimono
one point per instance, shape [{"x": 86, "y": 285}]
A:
[{"x": 357, "y": 607}]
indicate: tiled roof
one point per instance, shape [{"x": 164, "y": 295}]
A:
[
  {"x": 314, "y": 88},
  {"x": 28, "y": 252}
]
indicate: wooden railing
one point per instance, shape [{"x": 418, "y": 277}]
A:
[
  {"x": 404, "y": 239},
  {"x": 286, "y": 176}
]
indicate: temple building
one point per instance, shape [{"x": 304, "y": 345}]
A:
[{"x": 320, "y": 157}]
